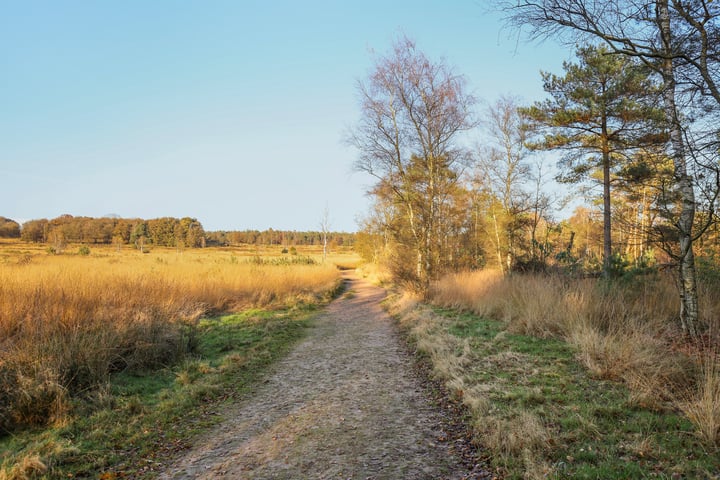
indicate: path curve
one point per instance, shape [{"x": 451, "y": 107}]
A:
[{"x": 344, "y": 404}]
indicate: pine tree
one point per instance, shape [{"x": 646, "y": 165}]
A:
[{"x": 601, "y": 110}]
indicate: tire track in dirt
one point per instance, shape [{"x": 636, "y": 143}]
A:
[{"x": 345, "y": 403}]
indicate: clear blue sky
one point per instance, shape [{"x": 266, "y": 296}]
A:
[{"x": 232, "y": 112}]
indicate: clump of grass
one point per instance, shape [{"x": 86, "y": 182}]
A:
[
  {"x": 479, "y": 291},
  {"x": 374, "y": 273},
  {"x": 33, "y": 395},
  {"x": 29, "y": 467},
  {"x": 702, "y": 406},
  {"x": 521, "y": 437}
]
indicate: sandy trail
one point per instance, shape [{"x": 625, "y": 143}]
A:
[{"x": 344, "y": 404}]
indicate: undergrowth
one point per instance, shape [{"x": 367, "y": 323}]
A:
[{"x": 623, "y": 330}]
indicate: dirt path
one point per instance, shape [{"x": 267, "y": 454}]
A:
[{"x": 344, "y": 404}]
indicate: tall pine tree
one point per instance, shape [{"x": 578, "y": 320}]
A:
[{"x": 601, "y": 110}]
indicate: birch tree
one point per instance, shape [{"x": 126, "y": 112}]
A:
[
  {"x": 413, "y": 111},
  {"x": 503, "y": 170}
]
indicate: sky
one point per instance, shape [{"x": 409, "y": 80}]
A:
[{"x": 229, "y": 111}]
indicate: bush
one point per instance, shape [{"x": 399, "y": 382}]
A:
[{"x": 84, "y": 250}]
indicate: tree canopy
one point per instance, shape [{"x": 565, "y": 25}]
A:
[{"x": 598, "y": 113}]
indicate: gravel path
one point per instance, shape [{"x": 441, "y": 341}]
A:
[{"x": 344, "y": 404}]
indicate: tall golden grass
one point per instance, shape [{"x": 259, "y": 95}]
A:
[
  {"x": 622, "y": 331},
  {"x": 67, "y": 322}
]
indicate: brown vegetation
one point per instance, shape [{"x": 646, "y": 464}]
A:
[
  {"x": 621, "y": 332},
  {"x": 9, "y": 228},
  {"x": 67, "y": 322}
]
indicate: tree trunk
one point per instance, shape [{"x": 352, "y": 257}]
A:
[
  {"x": 497, "y": 240},
  {"x": 687, "y": 282},
  {"x": 324, "y": 257},
  {"x": 416, "y": 239},
  {"x": 607, "y": 231}
]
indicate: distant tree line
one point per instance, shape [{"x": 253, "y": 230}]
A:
[
  {"x": 278, "y": 237},
  {"x": 166, "y": 231},
  {"x": 9, "y": 228}
]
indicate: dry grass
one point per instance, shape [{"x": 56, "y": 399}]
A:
[
  {"x": 67, "y": 322},
  {"x": 374, "y": 273},
  {"x": 621, "y": 332},
  {"x": 454, "y": 360},
  {"x": 532, "y": 406},
  {"x": 475, "y": 291},
  {"x": 702, "y": 406},
  {"x": 450, "y": 355},
  {"x": 523, "y": 437},
  {"x": 29, "y": 467},
  {"x": 547, "y": 306}
]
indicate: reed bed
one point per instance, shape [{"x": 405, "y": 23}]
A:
[{"x": 69, "y": 321}]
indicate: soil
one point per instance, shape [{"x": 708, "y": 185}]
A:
[{"x": 347, "y": 403}]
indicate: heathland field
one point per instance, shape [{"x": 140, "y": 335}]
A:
[
  {"x": 114, "y": 362},
  {"x": 80, "y": 331}
]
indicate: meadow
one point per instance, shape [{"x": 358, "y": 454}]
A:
[
  {"x": 575, "y": 377},
  {"x": 74, "y": 325}
]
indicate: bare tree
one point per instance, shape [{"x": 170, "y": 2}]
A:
[
  {"x": 541, "y": 203},
  {"x": 412, "y": 112},
  {"x": 503, "y": 170},
  {"x": 678, "y": 39}
]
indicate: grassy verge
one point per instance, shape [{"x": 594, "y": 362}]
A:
[
  {"x": 538, "y": 412},
  {"x": 136, "y": 420}
]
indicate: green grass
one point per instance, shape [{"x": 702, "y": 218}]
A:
[
  {"x": 594, "y": 430},
  {"x": 139, "y": 419}
]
